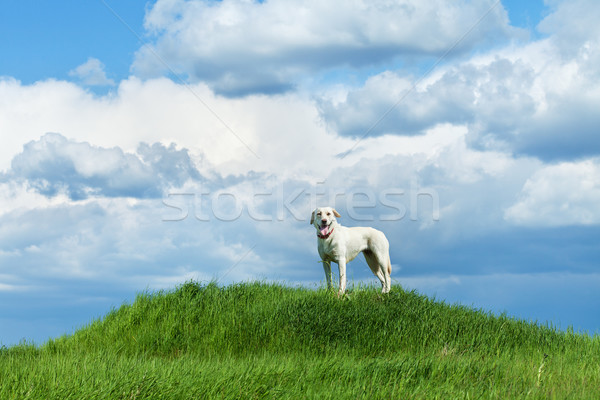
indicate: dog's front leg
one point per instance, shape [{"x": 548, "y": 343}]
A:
[
  {"x": 327, "y": 268},
  {"x": 342, "y": 266}
]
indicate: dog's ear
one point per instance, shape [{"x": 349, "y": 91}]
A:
[
  {"x": 312, "y": 217},
  {"x": 337, "y": 214}
]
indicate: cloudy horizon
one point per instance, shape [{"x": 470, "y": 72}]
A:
[{"x": 190, "y": 139}]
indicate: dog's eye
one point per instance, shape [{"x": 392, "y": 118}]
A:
[{"x": 328, "y": 213}]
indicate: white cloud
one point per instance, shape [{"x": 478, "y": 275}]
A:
[
  {"x": 91, "y": 73},
  {"x": 533, "y": 99},
  {"x": 55, "y": 165},
  {"x": 110, "y": 239},
  {"x": 557, "y": 195},
  {"x": 18, "y": 195},
  {"x": 494, "y": 94},
  {"x": 573, "y": 23},
  {"x": 285, "y": 131},
  {"x": 242, "y": 47},
  {"x": 162, "y": 111}
]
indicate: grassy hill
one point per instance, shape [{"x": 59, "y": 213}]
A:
[{"x": 257, "y": 340}]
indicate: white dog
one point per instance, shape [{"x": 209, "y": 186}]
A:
[{"x": 341, "y": 245}]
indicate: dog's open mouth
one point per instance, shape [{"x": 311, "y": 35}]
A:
[{"x": 324, "y": 229}]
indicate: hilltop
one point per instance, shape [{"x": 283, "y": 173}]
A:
[{"x": 258, "y": 340}]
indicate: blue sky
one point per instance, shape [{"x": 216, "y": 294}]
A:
[
  {"x": 149, "y": 143},
  {"x": 46, "y": 40}
]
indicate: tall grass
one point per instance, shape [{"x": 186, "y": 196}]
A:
[{"x": 258, "y": 340}]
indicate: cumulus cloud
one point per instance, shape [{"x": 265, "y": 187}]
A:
[
  {"x": 242, "y": 47},
  {"x": 281, "y": 130},
  {"x": 491, "y": 94},
  {"x": 572, "y": 23},
  {"x": 55, "y": 165},
  {"x": 557, "y": 195},
  {"x": 535, "y": 99},
  {"x": 157, "y": 110},
  {"x": 91, "y": 73}
]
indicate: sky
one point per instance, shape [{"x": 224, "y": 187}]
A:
[{"x": 145, "y": 144}]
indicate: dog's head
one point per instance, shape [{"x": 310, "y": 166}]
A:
[{"x": 323, "y": 218}]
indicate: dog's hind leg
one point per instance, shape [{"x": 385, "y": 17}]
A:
[
  {"x": 387, "y": 272},
  {"x": 379, "y": 270},
  {"x": 384, "y": 276}
]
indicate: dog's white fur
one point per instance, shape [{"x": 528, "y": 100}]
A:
[{"x": 341, "y": 245}]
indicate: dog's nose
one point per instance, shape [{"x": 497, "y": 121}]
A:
[{"x": 324, "y": 220}]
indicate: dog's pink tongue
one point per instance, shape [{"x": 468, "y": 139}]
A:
[{"x": 324, "y": 230}]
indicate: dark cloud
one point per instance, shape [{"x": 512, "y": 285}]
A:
[{"x": 569, "y": 130}]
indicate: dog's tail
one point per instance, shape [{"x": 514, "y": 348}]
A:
[{"x": 389, "y": 266}]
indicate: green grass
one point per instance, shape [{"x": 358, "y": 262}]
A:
[{"x": 257, "y": 340}]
